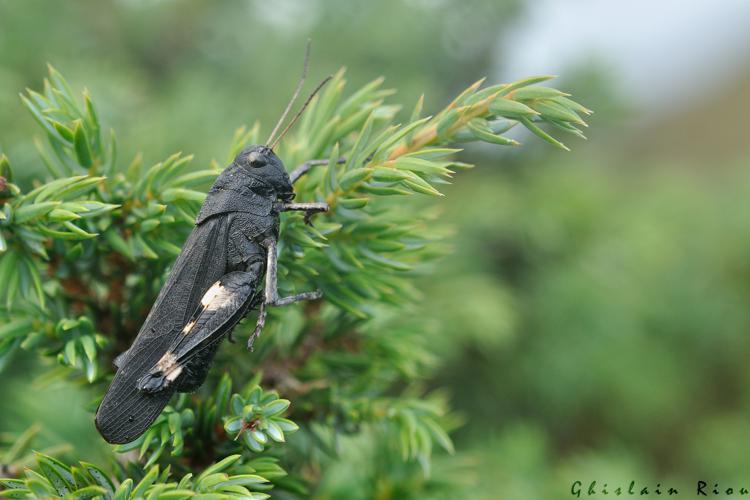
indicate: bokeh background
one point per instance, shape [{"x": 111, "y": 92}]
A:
[{"x": 593, "y": 320}]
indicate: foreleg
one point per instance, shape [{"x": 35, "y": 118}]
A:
[
  {"x": 305, "y": 167},
  {"x": 310, "y": 209}
]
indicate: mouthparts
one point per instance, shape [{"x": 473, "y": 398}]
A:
[{"x": 286, "y": 197}]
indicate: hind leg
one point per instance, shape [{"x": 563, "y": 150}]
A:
[{"x": 196, "y": 370}]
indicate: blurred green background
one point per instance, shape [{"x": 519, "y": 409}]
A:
[{"x": 592, "y": 322}]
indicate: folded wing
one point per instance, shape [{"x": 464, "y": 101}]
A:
[{"x": 221, "y": 307}]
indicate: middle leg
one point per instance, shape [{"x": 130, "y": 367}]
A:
[{"x": 271, "y": 291}]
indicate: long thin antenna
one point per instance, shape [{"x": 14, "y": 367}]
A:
[
  {"x": 295, "y": 95},
  {"x": 302, "y": 109}
]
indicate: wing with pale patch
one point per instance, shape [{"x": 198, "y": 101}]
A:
[
  {"x": 221, "y": 307},
  {"x": 125, "y": 412}
]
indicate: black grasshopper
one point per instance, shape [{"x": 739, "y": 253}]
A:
[{"x": 212, "y": 285}]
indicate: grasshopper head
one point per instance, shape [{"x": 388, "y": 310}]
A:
[{"x": 262, "y": 162}]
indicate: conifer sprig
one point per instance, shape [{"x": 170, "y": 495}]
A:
[{"x": 84, "y": 253}]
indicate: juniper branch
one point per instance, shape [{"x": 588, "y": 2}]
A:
[{"x": 82, "y": 257}]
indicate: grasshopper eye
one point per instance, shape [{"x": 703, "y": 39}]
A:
[{"x": 255, "y": 160}]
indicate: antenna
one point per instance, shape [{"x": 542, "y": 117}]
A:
[
  {"x": 295, "y": 95},
  {"x": 302, "y": 109}
]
